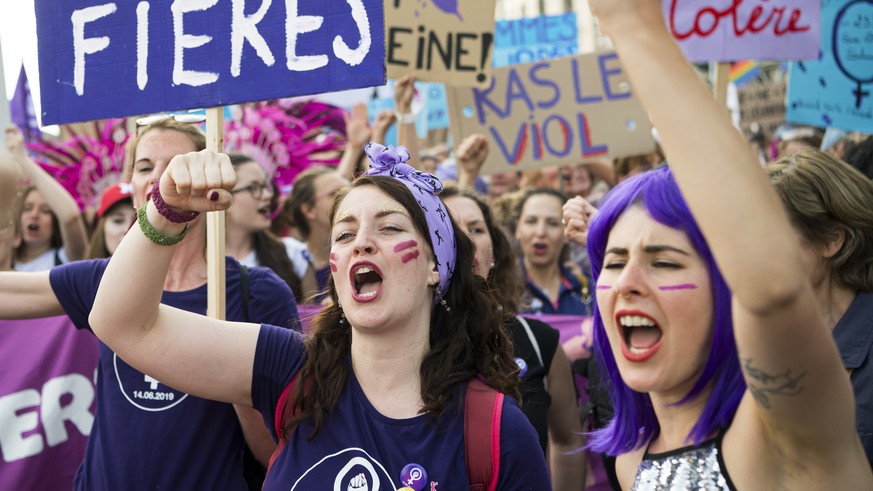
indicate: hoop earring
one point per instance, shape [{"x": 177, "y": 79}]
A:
[{"x": 442, "y": 300}]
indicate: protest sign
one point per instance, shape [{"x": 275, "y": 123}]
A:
[
  {"x": 730, "y": 30},
  {"x": 435, "y": 106},
  {"x": 525, "y": 40},
  {"x": 553, "y": 112},
  {"x": 124, "y": 58},
  {"x": 837, "y": 90},
  {"x": 445, "y": 41},
  {"x": 762, "y": 103}
]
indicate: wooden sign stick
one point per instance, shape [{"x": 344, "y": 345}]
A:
[
  {"x": 215, "y": 241},
  {"x": 721, "y": 77}
]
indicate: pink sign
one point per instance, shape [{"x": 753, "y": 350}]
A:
[{"x": 731, "y": 30}]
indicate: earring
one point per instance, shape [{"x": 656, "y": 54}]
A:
[
  {"x": 442, "y": 300},
  {"x": 342, "y": 314},
  {"x": 491, "y": 267}
]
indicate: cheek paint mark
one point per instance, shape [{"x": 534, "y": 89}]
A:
[
  {"x": 604, "y": 287},
  {"x": 684, "y": 286},
  {"x": 333, "y": 267},
  {"x": 409, "y": 256},
  {"x": 405, "y": 245},
  {"x": 334, "y": 256}
]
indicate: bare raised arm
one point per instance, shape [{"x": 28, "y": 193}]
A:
[
  {"x": 470, "y": 157},
  {"x": 27, "y": 296},
  {"x": 404, "y": 90},
  {"x": 59, "y": 200},
  {"x": 202, "y": 356},
  {"x": 789, "y": 360}
]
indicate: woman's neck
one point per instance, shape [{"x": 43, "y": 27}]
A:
[
  {"x": 387, "y": 365},
  {"x": 833, "y": 300},
  {"x": 188, "y": 269},
  {"x": 546, "y": 278},
  {"x": 675, "y": 421},
  {"x": 32, "y": 251},
  {"x": 239, "y": 243}
]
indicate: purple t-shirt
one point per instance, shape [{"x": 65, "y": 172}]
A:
[
  {"x": 46, "y": 401},
  {"x": 359, "y": 449},
  {"x": 147, "y": 435}
]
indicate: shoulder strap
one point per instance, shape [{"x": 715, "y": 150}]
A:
[
  {"x": 282, "y": 417},
  {"x": 244, "y": 290},
  {"x": 483, "y": 409},
  {"x": 536, "y": 347}
]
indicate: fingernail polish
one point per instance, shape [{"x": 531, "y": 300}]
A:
[{"x": 214, "y": 196}]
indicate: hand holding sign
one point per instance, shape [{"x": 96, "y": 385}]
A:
[{"x": 199, "y": 181}]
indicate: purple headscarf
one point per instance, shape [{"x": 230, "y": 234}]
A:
[{"x": 391, "y": 162}]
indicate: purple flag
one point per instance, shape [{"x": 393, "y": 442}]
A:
[{"x": 21, "y": 109}]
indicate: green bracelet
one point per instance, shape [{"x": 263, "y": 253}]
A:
[{"x": 153, "y": 235}]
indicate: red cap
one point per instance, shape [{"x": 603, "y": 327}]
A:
[{"x": 112, "y": 195}]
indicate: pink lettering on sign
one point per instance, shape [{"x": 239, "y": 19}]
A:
[{"x": 764, "y": 17}]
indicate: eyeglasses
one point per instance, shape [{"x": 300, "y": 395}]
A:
[
  {"x": 184, "y": 118},
  {"x": 256, "y": 189}
]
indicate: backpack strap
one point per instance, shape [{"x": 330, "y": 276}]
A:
[
  {"x": 536, "y": 347},
  {"x": 282, "y": 417},
  {"x": 483, "y": 409}
]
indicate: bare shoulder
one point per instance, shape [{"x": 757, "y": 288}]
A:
[{"x": 756, "y": 457}]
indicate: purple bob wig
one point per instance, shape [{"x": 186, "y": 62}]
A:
[{"x": 635, "y": 423}]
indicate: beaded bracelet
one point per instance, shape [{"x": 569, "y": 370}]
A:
[
  {"x": 165, "y": 210},
  {"x": 153, "y": 235}
]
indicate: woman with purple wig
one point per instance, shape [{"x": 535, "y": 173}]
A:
[{"x": 720, "y": 367}]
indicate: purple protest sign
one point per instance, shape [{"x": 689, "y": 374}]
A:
[
  {"x": 47, "y": 370},
  {"x": 730, "y": 30}
]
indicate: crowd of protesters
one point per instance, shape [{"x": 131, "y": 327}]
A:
[{"x": 718, "y": 293}]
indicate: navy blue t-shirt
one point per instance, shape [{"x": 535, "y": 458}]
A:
[
  {"x": 358, "y": 448},
  {"x": 147, "y": 435}
]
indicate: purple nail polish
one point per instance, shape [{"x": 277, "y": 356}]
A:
[{"x": 214, "y": 196}]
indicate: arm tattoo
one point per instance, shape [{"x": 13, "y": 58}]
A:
[{"x": 763, "y": 384}]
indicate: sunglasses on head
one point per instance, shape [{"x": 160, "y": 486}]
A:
[{"x": 185, "y": 118}]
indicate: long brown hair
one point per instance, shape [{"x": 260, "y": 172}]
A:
[
  {"x": 504, "y": 278},
  {"x": 467, "y": 341},
  {"x": 303, "y": 193},
  {"x": 824, "y": 196},
  {"x": 269, "y": 250},
  {"x": 56, "y": 240}
]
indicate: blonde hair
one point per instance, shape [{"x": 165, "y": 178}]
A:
[
  {"x": 168, "y": 124},
  {"x": 824, "y": 196}
]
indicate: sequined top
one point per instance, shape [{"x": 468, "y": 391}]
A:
[{"x": 698, "y": 467}]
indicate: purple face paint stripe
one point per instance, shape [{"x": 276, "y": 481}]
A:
[
  {"x": 604, "y": 287},
  {"x": 684, "y": 286}
]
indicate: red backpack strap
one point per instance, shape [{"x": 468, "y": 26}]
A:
[
  {"x": 483, "y": 408},
  {"x": 282, "y": 417}
]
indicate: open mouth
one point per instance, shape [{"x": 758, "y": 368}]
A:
[
  {"x": 265, "y": 212},
  {"x": 540, "y": 248},
  {"x": 640, "y": 335},
  {"x": 33, "y": 227},
  {"x": 366, "y": 282}
]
